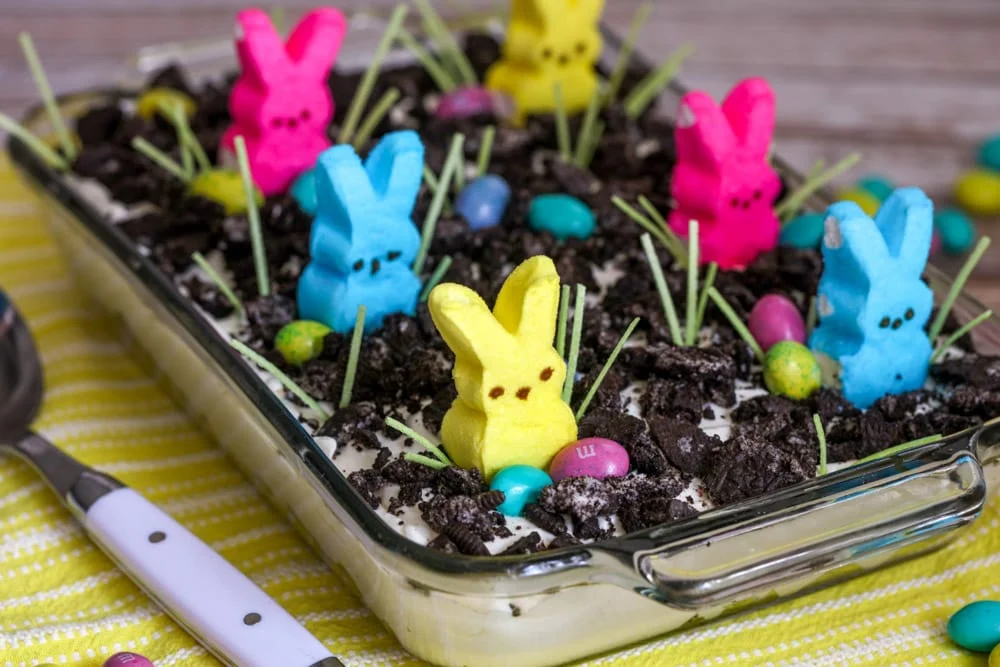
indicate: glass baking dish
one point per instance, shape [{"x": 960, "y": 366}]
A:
[{"x": 550, "y": 607}]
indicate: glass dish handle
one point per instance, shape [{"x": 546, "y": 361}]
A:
[{"x": 880, "y": 511}]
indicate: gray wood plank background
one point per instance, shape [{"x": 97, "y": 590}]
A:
[{"x": 913, "y": 85}]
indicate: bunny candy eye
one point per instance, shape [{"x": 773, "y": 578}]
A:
[
  {"x": 909, "y": 314},
  {"x": 581, "y": 48},
  {"x": 547, "y": 53},
  {"x": 496, "y": 392},
  {"x": 896, "y": 323},
  {"x": 277, "y": 122},
  {"x": 393, "y": 255},
  {"x": 735, "y": 202},
  {"x": 563, "y": 59},
  {"x": 757, "y": 194},
  {"x": 376, "y": 265},
  {"x": 885, "y": 322},
  {"x": 523, "y": 392},
  {"x": 546, "y": 375},
  {"x": 292, "y": 122},
  {"x": 304, "y": 115},
  {"x": 358, "y": 265}
]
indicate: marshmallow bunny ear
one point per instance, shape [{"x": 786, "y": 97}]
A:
[
  {"x": 343, "y": 191},
  {"x": 906, "y": 221},
  {"x": 316, "y": 40},
  {"x": 468, "y": 327},
  {"x": 703, "y": 135},
  {"x": 528, "y": 303},
  {"x": 259, "y": 47},
  {"x": 852, "y": 237},
  {"x": 396, "y": 167},
  {"x": 749, "y": 108}
]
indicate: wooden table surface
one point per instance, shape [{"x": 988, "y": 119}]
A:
[{"x": 911, "y": 84}]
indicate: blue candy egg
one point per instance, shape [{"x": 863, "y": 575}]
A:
[
  {"x": 520, "y": 485},
  {"x": 483, "y": 201},
  {"x": 303, "y": 191},
  {"x": 956, "y": 229},
  {"x": 803, "y": 231},
  {"x": 976, "y": 626},
  {"x": 563, "y": 216},
  {"x": 880, "y": 186},
  {"x": 989, "y": 153}
]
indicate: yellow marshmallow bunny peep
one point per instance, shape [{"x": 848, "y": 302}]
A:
[
  {"x": 549, "y": 42},
  {"x": 508, "y": 375}
]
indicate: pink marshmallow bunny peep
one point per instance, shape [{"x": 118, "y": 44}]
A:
[
  {"x": 723, "y": 178},
  {"x": 281, "y": 103}
]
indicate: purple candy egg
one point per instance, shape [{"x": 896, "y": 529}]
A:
[
  {"x": 590, "y": 457},
  {"x": 127, "y": 659},
  {"x": 774, "y": 319},
  {"x": 465, "y": 102}
]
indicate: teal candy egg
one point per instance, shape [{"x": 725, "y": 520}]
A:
[
  {"x": 803, "y": 231},
  {"x": 880, "y": 186},
  {"x": 561, "y": 215},
  {"x": 303, "y": 191},
  {"x": 956, "y": 230},
  {"x": 976, "y": 626},
  {"x": 989, "y": 153},
  {"x": 520, "y": 485}
]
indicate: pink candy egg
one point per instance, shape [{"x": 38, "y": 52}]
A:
[
  {"x": 590, "y": 457},
  {"x": 465, "y": 102},
  {"x": 774, "y": 319},
  {"x": 127, "y": 659}
]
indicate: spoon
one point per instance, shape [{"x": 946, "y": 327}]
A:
[{"x": 238, "y": 622}]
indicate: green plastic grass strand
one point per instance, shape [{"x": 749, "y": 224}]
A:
[
  {"x": 913, "y": 444},
  {"x": 653, "y": 84},
  {"x": 562, "y": 124},
  {"x": 574, "y": 342},
  {"x": 964, "y": 329},
  {"x": 564, "y": 295},
  {"x": 441, "y": 76},
  {"x": 790, "y": 205},
  {"x": 40, "y": 148},
  {"x": 594, "y": 141},
  {"x": 710, "y": 273},
  {"x": 451, "y": 165},
  {"x": 584, "y": 138},
  {"x": 434, "y": 449},
  {"x": 219, "y": 281},
  {"x": 360, "y": 99},
  {"x": 375, "y": 116},
  {"x": 736, "y": 323},
  {"x": 424, "y": 460},
  {"x": 277, "y": 16},
  {"x": 957, "y": 286},
  {"x": 48, "y": 99},
  {"x": 674, "y": 244},
  {"x": 816, "y": 169},
  {"x": 691, "y": 306},
  {"x": 436, "y": 277},
  {"x": 582, "y": 410},
  {"x": 821, "y": 436},
  {"x": 253, "y": 216},
  {"x": 187, "y": 159},
  {"x": 188, "y": 138},
  {"x": 811, "y": 316},
  {"x": 352, "y": 356},
  {"x": 628, "y": 48},
  {"x": 666, "y": 300},
  {"x": 485, "y": 150},
  {"x": 159, "y": 158},
  {"x": 643, "y": 222},
  {"x": 447, "y": 43},
  {"x": 285, "y": 381}
]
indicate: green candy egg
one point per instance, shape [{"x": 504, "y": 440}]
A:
[
  {"x": 791, "y": 370},
  {"x": 561, "y": 215},
  {"x": 978, "y": 192},
  {"x": 300, "y": 341},
  {"x": 225, "y": 187}
]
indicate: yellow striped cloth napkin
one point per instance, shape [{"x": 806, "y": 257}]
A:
[{"x": 62, "y": 601}]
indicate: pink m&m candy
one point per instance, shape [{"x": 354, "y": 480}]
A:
[
  {"x": 127, "y": 659},
  {"x": 774, "y": 319},
  {"x": 590, "y": 457},
  {"x": 465, "y": 102}
]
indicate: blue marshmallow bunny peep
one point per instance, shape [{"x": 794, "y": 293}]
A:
[
  {"x": 364, "y": 241},
  {"x": 872, "y": 303}
]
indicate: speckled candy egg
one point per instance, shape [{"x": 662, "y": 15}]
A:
[
  {"x": 127, "y": 659},
  {"x": 483, "y": 201},
  {"x": 300, "y": 341},
  {"x": 225, "y": 187},
  {"x": 803, "y": 231},
  {"x": 520, "y": 485},
  {"x": 976, "y": 626},
  {"x": 465, "y": 102},
  {"x": 590, "y": 457},
  {"x": 561, "y": 215},
  {"x": 153, "y": 100},
  {"x": 791, "y": 370},
  {"x": 774, "y": 319},
  {"x": 978, "y": 192}
]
